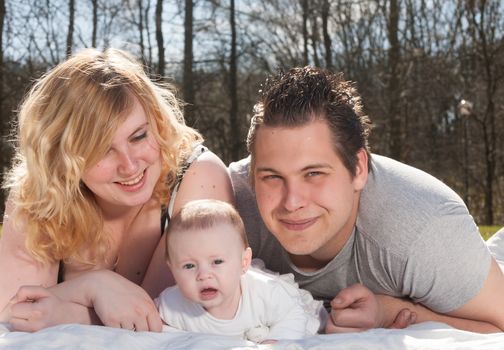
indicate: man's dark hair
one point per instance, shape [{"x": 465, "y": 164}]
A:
[{"x": 303, "y": 95}]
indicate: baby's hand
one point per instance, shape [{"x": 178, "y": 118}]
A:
[{"x": 257, "y": 334}]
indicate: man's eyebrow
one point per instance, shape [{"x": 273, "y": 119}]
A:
[
  {"x": 306, "y": 168},
  {"x": 265, "y": 169}
]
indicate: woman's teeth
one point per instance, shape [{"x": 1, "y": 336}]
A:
[{"x": 134, "y": 181}]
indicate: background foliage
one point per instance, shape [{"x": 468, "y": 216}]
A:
[{"x": 430, "y": 71}]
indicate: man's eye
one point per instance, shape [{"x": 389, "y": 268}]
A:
[
  {"x": 313, "y": 173},
  {"x": 188, "y": 266},
  {"x": 270, "y": 177}
]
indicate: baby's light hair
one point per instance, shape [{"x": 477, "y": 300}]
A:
[{"x": 204, "y": 214}]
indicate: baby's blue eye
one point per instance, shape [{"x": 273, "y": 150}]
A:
[{"x": 188, "y": 266}]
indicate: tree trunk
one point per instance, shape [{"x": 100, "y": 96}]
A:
[
  {"x": 304, "y": 6},
  {"x": 326, "y": 8},
  {"x": 395, "y": 141},
  {"x": 141, "y": 29},
  {"x": 188, "y": 83},
  {"x": 159, "y": 38},
  {"x": 484, "y": 44},
  {"x": 4, "y": 114},
  {"x": 71, "y": 16},
  {"x": 2, "y": 17},
  {"x": 147, "y": 30},
  {"x": 314, "y": 40},
  {"x": 95, "y": 22},
  {"x": 233, "y": 89}
]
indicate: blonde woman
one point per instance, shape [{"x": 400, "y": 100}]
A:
[{"x": 101, "y": 151}]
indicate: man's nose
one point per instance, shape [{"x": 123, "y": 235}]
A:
[{"x": 294, "y": 197}]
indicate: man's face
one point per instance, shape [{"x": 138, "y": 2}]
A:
[{"x": 306, "y": 196}]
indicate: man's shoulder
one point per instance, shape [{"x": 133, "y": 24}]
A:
[
  {"x": 401, "y": 204},
  {"x": 240, "y": 167},
  {"x": 389, "y": 174}
]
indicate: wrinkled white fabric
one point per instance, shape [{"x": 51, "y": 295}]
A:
[{"x": 425, "y": 336}]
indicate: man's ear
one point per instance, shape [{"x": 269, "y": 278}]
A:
[
  {"x": 246, "y": 259},
  {"x": 361, "y": 170}
]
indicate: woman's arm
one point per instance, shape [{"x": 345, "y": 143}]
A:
[
  {"x": 17, "y": 266},
  {"x": 206, "y": 178},
  {"x": 31, "y": 299},
  {"x": 30, "y": 308}
]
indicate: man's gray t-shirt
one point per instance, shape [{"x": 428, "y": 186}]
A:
[{"x": 414, "y": 237}]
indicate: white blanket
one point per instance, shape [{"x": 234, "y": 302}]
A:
[{"x": 425, "y": 336}]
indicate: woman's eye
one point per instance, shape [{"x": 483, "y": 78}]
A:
[
  {"x": 140, "y": 136},
  {"x": 188, "y": 266}
]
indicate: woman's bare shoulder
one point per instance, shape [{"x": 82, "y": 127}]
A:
[{"x": 206, "y": 178}]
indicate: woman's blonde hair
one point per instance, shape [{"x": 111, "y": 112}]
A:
[{"x": 65, "y": 125}]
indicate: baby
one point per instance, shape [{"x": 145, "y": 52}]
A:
[{"x": 217, "y": 291}]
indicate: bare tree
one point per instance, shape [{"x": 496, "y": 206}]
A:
[
  {"x": 71, "y": 17},
  {"x": 3, "y": 115},
  {"x": 188, "y": 83},
  {"x": 147, "y": 29},
  {"x": 314, "y": 37},
  {"x": 396, "y": 145},
  {"x": 326, "y": 9},
  {"x": 235, "y": 129},
  {"x": 95, "y": 22},
  {"x": 2, "y": 18},
  {"x": 2, "y": 68},
  {"x": 305, "y": 8},
  {"x": 141, "y": 29},
  {"x": 159, "y": 38},
  {"x": 486, "y": 51}
]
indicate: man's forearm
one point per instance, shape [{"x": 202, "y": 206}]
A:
[{"x": 391, "y": 306}]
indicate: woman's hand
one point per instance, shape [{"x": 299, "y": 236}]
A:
[
  {"x": 120, "y": 303},
  {"x": 117, "y": 302},
  {"x": 34, "y": 308}
]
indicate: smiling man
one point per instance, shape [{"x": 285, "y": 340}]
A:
[{"x": 382, "y": 243}]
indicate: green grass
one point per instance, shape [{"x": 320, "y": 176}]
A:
[{"x": 488, "y": 231}]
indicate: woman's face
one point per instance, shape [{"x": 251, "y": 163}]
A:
[{"x": 129, "y": 171}]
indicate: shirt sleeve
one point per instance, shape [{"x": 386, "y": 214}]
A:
[{"x": 448, "y": 263}]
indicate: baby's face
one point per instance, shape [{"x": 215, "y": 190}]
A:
[{"x": 207, "y": 266}]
